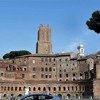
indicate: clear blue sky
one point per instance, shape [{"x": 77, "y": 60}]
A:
[{"x": 20, "y": 20}]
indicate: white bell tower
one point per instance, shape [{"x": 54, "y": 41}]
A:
[{"x": 81, "y": 50}]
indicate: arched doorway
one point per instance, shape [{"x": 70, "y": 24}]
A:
[
  {"x": 20, "y": 95},
  {"x": 76, "y": 96},
  {"x": 59, "y": 95},
  {"x": 5, "y": 95},
  {"x": 68, "y": 96},
  {"x": 12, "y": 95},
  {"x": 83, "y": 95}
]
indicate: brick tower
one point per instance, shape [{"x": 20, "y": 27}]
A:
[{"x": 44, "y": 45}]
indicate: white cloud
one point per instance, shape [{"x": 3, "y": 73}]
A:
[{"x": 73, "y": 45}]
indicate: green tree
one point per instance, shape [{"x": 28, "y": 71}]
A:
[
  {"x": 94, "y": 22},
  {"x": 6, "y": 55},
  {"x": 14, "y": 54}
]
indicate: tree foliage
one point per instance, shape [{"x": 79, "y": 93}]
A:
[
  {"x": 14, "y": 54},
  {"x": 94, "y": 22}
]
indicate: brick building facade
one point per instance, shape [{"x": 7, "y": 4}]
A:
[{"x": 68, "y": 75}]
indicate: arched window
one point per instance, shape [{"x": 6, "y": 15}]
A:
[
  {"x": 81, "y": 74},
  {"x": 34, "y": 88},
  {"x": 24, "y": 88},
  {"x": 49, "y": 88},
  {"x": 68, "y": 89},
  {"x": 18, "y": 68},
  {"x": 46, "y": 76},
  {"x": 11, "y": 88},
  {"x": 1, "y": 74},
  {"x": 42, "y": 69},
  {"x": 73, "y": 79},
  {"x": 13, "y": 61},
  {"x": 80, "y": 87},
  {"x": 29, "y": 88},
  {"x": 66, "y": 75},
  {"x": 50, "y": 76},
  {"x": 14, "y": 68},
  {"x": 54, "y": 60},
  {"x": 72, "y": 88},
  {"x": 24, "y": 68},
  {"x": 60, "y": 75},
  {"x": 1, "y": 87},
  {"x": 60, "y": 70},
  {"x": 5, "y": 88},
  {"x": 23, "y": 75},
  {"x": 39, "y": 88},
  {"x": 66, "y": 79},
  {"x": 12, "y": 94},
  {"x": 64, "y": 88},
  {"x": 15, "y": 88},
  {"x": 76, "y": 88},
  {"x": 60, "y": 80},
  {"x": 44, "y": 88},
  {"x": 50, "y": 69},
  {"x": 64, "y": 70},
  {"x": 66, "y": 64},
  {"x": 59, "y": 88},
  {"x": 19, "y": 88},
  {"x": 54, "y": 88},
  {"x": 8, "y": 88},
  {"x": 74, "y": 74},
  {"x": 46, "y": 69}
]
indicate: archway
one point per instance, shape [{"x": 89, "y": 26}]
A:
[
  {"x": 59, "y": 95},
  {"x": 5, "y": 95},
  {"x": 68, "y": 95},
  {"x": 20, "y": 95},
  {"x": 76, "y": 96},
  {"x": 12, "y": 95},
  {"x": 83, "y": 95}
]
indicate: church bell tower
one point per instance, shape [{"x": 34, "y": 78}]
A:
[
  {"x": 44, "y": 45},
  {"x": 81, "y": 50}
]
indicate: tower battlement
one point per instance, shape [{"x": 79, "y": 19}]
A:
[{"x": 44, "y": 44}]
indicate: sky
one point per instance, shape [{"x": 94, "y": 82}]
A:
[{"x": 20, "y": 21}]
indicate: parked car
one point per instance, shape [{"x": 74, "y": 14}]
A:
[{"x": 39, "y": 97}]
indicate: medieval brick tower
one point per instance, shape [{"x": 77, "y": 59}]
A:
[{"x": 44, "y": 45}]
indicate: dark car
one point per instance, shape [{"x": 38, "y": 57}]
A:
[{"x": 39, "y": 97}]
